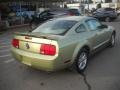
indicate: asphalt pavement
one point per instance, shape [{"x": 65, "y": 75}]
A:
[{"x": 102, "y": 73}]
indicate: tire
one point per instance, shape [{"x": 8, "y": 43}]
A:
[
  {"x": 107, "y": 19},
  {"x": 112, "y": 40},
  {"x": 81, "y": 61}
]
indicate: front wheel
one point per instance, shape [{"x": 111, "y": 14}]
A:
[
  {"x": 112, "y": 40},
  {"x": 81, "y": 61},
  {"x": 107, "y": 19}
]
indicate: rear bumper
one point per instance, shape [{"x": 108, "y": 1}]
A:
[{"x": 31, "y": 60}]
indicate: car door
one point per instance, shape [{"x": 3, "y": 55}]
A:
[{"x": 97, "y": 36}]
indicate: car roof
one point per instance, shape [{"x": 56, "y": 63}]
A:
[
  {"x": 61, "y": 9},
  {"x": 106, "y": 8},
  {"x": 73, "y": 18}
]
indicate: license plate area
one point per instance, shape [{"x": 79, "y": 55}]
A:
[{"x": 26, "y": 61}]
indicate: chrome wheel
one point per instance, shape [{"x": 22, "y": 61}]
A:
[
  {"x": 112, "y": 42},
  {"x": 82, "y": 61}
]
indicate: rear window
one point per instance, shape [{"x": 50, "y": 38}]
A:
[
  {"x": 109, "y": 9},
  {"x": 58, "y": 27},
  {"x": 75, "y": 11}
]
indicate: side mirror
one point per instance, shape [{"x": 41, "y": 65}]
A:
[{"x": 102, "y": 26}]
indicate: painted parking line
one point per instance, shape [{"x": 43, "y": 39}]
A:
[
  {"x": 5, "y": 43},
  {"x": 5, "y": 55},
  {"x": 6, "y": 35},
  {"x": 9, "y": 61},
  {"x": 5, "y": 39},
  {"x": 6, "y": 50},
  {"x": 4, "y": 46}
]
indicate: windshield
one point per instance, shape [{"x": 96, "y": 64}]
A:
[{"x": 55, "y": 27}]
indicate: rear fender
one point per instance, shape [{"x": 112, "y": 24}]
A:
[{"x": 78, "y": 48}]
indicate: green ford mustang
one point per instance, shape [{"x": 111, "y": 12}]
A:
[{"x": 62, "y": 42}]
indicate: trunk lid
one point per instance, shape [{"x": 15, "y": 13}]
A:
[{"x": 32, "y": 42}]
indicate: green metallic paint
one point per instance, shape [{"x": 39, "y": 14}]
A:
[{"x": 68, "y": 47}]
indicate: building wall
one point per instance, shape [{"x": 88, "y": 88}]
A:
[{"x": 106, "y": 1}]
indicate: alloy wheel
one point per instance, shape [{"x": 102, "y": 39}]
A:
[{"x": 82, "y": 61}]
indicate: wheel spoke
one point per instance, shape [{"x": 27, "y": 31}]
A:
[
  {"x": 113, "y": 40},
  {"x": 82, "y": 61}
]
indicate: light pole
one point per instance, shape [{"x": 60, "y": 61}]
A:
[
  {"x": 88, "y": 6},
  {"x": 82, "y": 6}
]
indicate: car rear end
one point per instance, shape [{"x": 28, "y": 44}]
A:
[
  {"x": 38, "y": 52},
  {"x": 112, "y": 13},
  {"x": 74, "y": 12},
  {"x": 43, "y": 47},
  {"x": 104, "y": 13}
]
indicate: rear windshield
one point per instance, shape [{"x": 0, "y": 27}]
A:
[
  {"x": 109, "y": 9},
  {"x": 59, "y": 27},
  {"x": 105, "y": 9},
  {"x": 73, "y": 10}
]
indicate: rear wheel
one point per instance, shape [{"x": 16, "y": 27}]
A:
[
  {"x": 81, "y": 61},
  {"x": 107, "y": 19},
  {"x": 112, "y": 40}
]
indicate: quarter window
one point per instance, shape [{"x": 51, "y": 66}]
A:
[{"x": 80, "y": 28}]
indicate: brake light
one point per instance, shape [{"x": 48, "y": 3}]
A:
[
  {"x": 71, "y": 14},
  {"x": 48, "y": 49},
  {"x": 15, "y": 43}
]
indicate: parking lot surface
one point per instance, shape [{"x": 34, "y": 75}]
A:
[{"x": 102, "y": 72}]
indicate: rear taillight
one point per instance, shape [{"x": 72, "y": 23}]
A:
[
  {"x": 15, "y": 43},
  {"x": 71, "y": 14},
  {"x": 48, "y": 49}
]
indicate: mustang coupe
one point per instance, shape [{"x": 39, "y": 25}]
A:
[{"x": 62, "y": 42}]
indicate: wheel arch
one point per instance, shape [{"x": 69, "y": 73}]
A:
[
  {"x": 114, "y": 32},
  {"x": 86, "y": 47},
  {"x": 78, "y": 49}
]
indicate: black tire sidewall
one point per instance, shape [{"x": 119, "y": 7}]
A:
[
  {"x": 77, "y": 60},
  {"x": 112, "y": 45},
  {"x": 107, "y": 20}
]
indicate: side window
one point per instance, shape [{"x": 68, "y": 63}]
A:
[
  {"x": 93, "y": 24},
  {"x": 81, "y": 28},
  {"x": 43, "y": 14}
]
